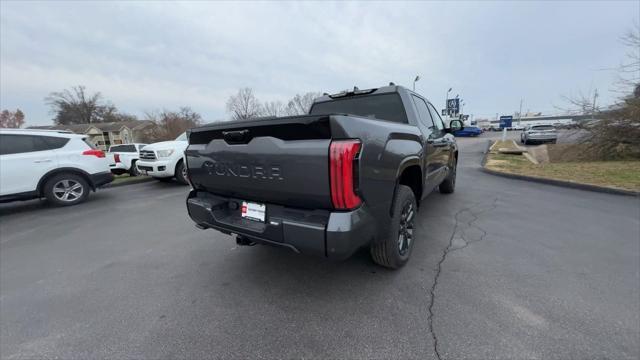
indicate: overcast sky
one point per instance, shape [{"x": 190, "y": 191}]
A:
[{"x": 151, "y": 55}]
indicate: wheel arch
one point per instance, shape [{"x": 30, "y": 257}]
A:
[
  {"x": 70, "y": 170},
  {"x": 410, "y": 174}
]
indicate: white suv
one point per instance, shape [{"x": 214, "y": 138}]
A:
[
  {"x": 164, "y": 160},
  {"x": 60, "y": 166}
]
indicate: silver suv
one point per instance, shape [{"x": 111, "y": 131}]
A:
[{"x": 533, "y": 134}]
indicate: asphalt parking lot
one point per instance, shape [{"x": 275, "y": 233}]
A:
[{"x": 502, "y": 269}]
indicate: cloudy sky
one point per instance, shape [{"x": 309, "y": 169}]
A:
[{"x": 151, "y": 55}]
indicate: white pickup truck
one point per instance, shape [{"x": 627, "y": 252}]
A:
[
  {"x": 165, "y": 160},
  {"x": 123, "y": 158}
]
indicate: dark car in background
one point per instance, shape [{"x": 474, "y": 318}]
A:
[{"x": 468, "y": 131}]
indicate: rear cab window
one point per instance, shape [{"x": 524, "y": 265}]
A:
[
  {"x": 123, "y": 148},
  {"x": 382, "y": 107}
]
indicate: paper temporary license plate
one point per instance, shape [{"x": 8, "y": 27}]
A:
[{"x": 253, "y": 211}]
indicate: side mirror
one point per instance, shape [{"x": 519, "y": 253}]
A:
[{"x": 455, "y": 125}]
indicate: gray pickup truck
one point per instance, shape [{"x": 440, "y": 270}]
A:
[{"x": 350, "y": 174}]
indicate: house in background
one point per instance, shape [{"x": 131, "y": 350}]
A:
[{"x": 103, "y": 135}]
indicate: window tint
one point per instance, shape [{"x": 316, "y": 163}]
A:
[
  {"x": 123, "y": 148},
  {"x": 384, "y": 107},
  {"x": 436, "y": 118},
  {"x": 423, "y": 113},
  {"x": 16, "y": 144},
  {"x": 542, "y": 127}
]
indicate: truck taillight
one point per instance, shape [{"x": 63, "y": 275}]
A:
[
  {"x": 94, "y": 152},
  {"x": 116, "y": 158},
  {"x": 342, "y": 161}
]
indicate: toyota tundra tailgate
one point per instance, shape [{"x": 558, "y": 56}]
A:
[{"x": 282, "y": 161}]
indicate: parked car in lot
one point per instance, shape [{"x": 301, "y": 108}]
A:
[
  {"x": 164, "y": 160},
  {"x": 468, "y": 131},
  {"x": 325, "y": 183},
  {"x": 123, "y": 158},
  {"x": 533, "y": 134},
  {"x": 60, "y": 166}
]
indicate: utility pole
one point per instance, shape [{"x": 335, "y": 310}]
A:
[
  {"x": 446, "y": 102},
  {"x": 520, "y": 113}
]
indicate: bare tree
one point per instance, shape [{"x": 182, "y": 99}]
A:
[
  {"x": 244, "y": 105},
  {"x": 614, "y": 132},
  {"x": 300, "y": 104},
  {"x": 273, "y": 108},
  {"x": 76, "y": 106},
  {"x": 629, "y": 69},
  {"x": 11, "y": 119},
  {"x": 170, "y": 124}
]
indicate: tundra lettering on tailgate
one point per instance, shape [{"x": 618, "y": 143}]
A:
[{"x": 261, "y": 172}]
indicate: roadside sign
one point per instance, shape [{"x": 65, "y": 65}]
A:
[
  {"x": 505, "y": 121},
  {"x": 453, "y": 106}
]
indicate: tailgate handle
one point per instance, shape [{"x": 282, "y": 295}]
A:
[{"x": 237, "y": 136}]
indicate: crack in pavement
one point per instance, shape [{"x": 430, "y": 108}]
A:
[{"x": 449, "y": 249}]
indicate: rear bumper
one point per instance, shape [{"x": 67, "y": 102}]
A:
[
  {"x": 541, "y": 138},
  {"x": 101, "y": 179},
  {"x": 335, "y": 235},
  {"x": 118, "y": 166}
]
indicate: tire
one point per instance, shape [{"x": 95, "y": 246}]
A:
[
  {"x": 181, "y": 175},
  {"x": 526, "y": 142},
  {"x": 66, "y": 189},
  {"x": 133, "y": 170},
  {"x": 394, "y": 251},
  {"x": 448, "y": 185}
]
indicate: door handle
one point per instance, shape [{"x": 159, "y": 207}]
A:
[
  {"x": 42, "y": 161},
  {"x": 437, "y": 143}
]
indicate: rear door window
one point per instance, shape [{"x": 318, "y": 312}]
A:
[{"x": 543, "y": 127}]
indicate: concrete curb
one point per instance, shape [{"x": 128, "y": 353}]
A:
[
  {"x": 563, "y": 183},
  {"x": 142, "y": 179}
]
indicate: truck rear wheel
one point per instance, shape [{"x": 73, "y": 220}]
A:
[{"x": 394, "y": 251}]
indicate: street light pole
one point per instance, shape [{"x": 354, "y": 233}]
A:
[
  {"x": 520, "y": 113},
  {"x": 414, "y": 82},
  {"x": 446, "y": 101}
]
